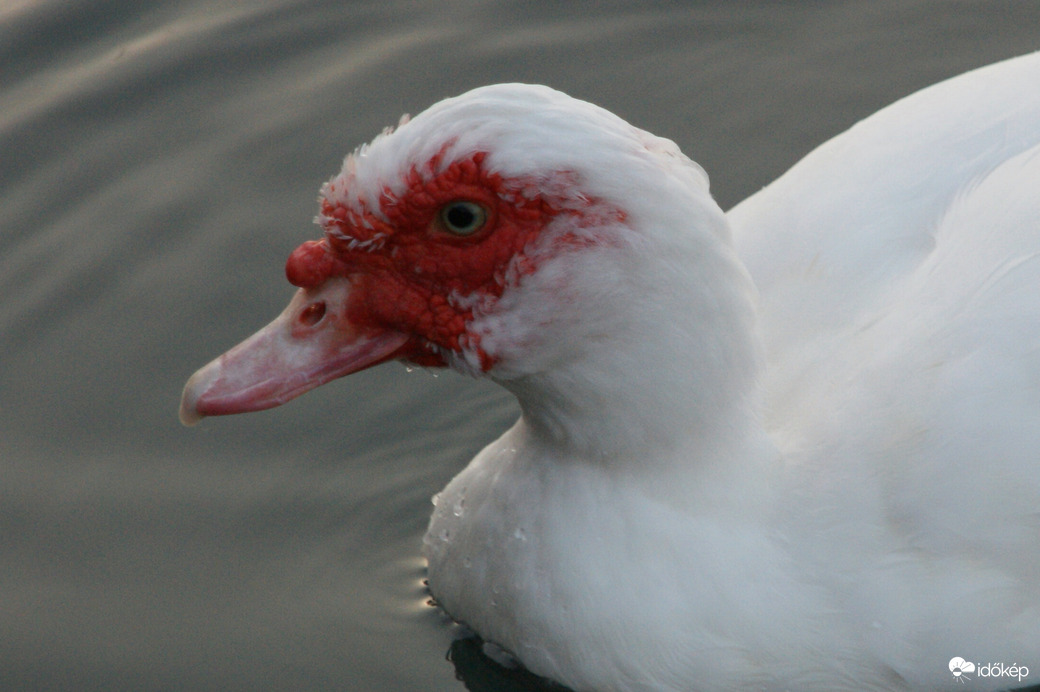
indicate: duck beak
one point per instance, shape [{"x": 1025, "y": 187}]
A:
[{"x": 309, "y": 344}]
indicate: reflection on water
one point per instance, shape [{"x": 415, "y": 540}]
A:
[{"x": 158, "y": 162}]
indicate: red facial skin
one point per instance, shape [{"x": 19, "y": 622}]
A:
[{"x": 403, "y": 280}]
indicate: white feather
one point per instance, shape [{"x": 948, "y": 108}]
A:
[{"x": 830, "y": 482}]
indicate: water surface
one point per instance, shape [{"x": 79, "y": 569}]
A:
[{"x": 158, "y": 161}]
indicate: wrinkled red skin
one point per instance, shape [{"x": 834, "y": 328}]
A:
[{"x": 404, "y": 270}]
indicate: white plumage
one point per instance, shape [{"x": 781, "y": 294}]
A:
[
  {"x": 896, "y": 522},
  {"x": 796, "y": 446}
]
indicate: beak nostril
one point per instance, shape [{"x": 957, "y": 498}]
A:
[{"x": 312, "y": 314}]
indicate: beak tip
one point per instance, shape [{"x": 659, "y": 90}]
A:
[
  {"x": 195, "y": 387},
  {"x": 189, "y": 416}
]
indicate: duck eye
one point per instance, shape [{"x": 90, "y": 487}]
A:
[{"x": 463, "y": 218}]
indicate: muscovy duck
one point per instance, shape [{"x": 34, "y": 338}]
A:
[{"x": 795, "y": 446}]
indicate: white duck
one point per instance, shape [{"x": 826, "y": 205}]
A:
[{"x": 792, "y": 447}]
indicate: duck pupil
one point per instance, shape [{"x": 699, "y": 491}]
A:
[{"x": 460, "y": 216}]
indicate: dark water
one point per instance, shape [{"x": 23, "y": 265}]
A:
[{"x": 159, "y": 160}]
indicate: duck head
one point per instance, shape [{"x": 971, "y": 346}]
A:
[{"x": 520, "y": 234}]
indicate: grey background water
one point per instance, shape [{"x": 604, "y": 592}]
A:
[{"x": 158, "y": 161}]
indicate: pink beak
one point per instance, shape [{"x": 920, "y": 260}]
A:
[{"x": 309, "y": 344}]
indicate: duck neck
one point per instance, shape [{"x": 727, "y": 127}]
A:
[
  {"x": 685, "y": 436},
  {"x": 659, "y": 365}
]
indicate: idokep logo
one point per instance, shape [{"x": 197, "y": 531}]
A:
[{"x": 961, "y": 670}]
